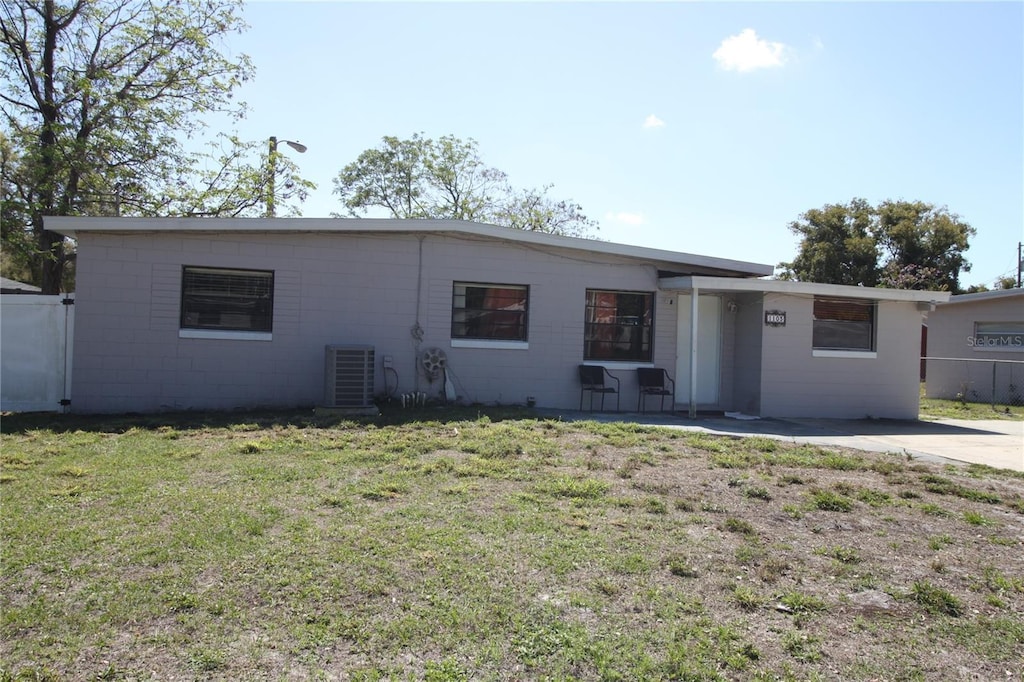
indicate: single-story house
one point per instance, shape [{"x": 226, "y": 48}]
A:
[
  {"x": 976, "y": 348},
  {"x": 230, "y": 313}
]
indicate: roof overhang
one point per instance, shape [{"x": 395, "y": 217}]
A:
[
  {"x": 71, "y": 226},
  {"x": 731, "y": 284},
  {"x": 985, "y": 296}
]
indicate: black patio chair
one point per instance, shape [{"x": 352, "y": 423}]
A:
[
  {"x": 592, "y": 378},
  {"x": 653, "y": 381}
]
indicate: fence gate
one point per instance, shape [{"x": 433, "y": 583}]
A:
[{"x": 35, "y": 352}]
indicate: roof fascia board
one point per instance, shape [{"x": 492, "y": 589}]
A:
[
  {"x": 71, "y": 226},
  {"x": 984, "y": 296},
  {"x": 805, "y": 288}
]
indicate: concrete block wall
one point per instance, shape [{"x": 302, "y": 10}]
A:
[
  {"x": 334, "y": 288},
  {"x": 795, "y": 383},
  {"x": 950, "y": 331}
]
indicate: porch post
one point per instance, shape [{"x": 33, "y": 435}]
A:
[{"x": 693, "y": 352}]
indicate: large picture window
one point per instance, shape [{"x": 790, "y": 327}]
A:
[
  {"x": 495, "y": 312},
  {"x": 226, "y": 299},
  {"x": 619, "y": 325},
  {"x": 844, "y": 324}
]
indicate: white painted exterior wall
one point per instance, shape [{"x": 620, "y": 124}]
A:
[
  {"x": 950, "y": 328},
  {"x": 335, "y": 289},
  {"x": 339, "y": 283},
  {"x": 794, "y": 382}
]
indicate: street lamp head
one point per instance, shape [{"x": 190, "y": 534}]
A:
[{"x": 297, "y": 146}]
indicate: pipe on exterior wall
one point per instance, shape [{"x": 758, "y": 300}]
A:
[
  {"x": 417, "y": 329},
  {"x": 694, "y": 294}
]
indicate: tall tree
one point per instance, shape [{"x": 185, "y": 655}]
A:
[
  {"x": 18, "y": 258},
  {"x": 925, "y": 245},
  {"x": 447, "y": 179},
  {"x": 534, "y": 211},
  {"x": 836, "y": 245},
  {"x": 898, "y": 244},
  {"x": 106, "y": 102}
]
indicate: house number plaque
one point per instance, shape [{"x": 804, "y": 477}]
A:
[{"x": 775, "y": 318}]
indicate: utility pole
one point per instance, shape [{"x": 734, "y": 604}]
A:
[
  {"x": 272, "y": 170},
  {"x": 1020, "y": 262}
]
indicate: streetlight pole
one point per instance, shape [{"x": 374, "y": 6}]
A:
[{"x": 272, "y": 169}]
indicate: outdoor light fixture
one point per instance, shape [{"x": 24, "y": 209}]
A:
[{"x": 272, "y": 163}]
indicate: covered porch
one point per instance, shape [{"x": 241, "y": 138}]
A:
[{"x": 775, "y": 348}]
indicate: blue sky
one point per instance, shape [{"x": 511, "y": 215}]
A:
[{"x": 689, "y": 126}]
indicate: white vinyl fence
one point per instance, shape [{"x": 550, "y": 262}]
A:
[{"x": 35, "y": 352}]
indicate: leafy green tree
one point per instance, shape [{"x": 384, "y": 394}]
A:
[
  {"x": 105, "y": 103},
  {"x": 1005, "y": 282},
  {"x": 836, "y": 246},
  {"x": 1000, "y": 284},
  {"x": 18, "y": 257},
  {"x": 446, "y": 179},
  {"x": 898, "y": 244},
  {"x": 925, "y": 245},
  {"x": 420, "y": 178},
  {"x": 534, "y": 211}
]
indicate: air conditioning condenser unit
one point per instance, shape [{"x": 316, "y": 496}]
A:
[{"x": 348, "y": 376}]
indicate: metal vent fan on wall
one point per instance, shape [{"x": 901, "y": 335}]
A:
[
  {"x": 348, "y": 379},
  {"x": 434, "y": 361}
]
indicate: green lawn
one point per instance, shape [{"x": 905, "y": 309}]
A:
[
  {"x": 461, "y": 545},
  {"x": 932, "y": 409},
  {"x": 935, "y": 408}
]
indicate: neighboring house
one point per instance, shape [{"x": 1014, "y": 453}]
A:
[
  {"x": 230, "y": 313},
  {"x": 975, "y": 345}
]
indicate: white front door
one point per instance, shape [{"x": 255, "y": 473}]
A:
[{"x": 709, "y": 349}]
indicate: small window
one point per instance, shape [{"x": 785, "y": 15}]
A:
[
  {"x": 227, "y": 299},
  {"x": 1003, "y": 336},
  {"x": 494, "y": 312},
  {"x": 619, "y": 326},
  {"x": 844, "y": 324}
]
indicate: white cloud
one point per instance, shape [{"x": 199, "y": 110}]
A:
[
  {"x": 653, "y": 121},
  {"x": 624, "y": 217},
  {"x": 746, "y": 52}
]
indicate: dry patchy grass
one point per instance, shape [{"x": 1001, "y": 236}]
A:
[{"x": 473, "y": 547}]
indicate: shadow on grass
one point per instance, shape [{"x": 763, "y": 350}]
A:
[{"x": 390, "y": 415}]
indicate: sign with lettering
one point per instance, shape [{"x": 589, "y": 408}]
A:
[{"x": 775, "y": 318}]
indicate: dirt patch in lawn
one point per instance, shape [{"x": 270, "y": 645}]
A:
[{"x": 517, "y": 549}]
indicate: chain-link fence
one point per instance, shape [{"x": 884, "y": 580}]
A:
[{"x": 999, "y": 382}]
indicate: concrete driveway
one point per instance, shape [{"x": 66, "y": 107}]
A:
[{"x": 993, "y": 442}]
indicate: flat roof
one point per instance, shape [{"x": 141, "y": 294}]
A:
[
  {"x": 779, "y": 286},
  {"x": 72, "y": 226},
  {"x": 10, "y": 285},
  {"x": 985, "y": 296}
]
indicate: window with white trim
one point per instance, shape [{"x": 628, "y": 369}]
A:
[
  {"x": 227, "y": 299},
  {"x": 1003, "y": 336},
  {"x": 619, "y": 326},
  {"x": 844, "y": 324},
  {"x": 490, "y": 312}
]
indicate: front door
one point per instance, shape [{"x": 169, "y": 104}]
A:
[{"x": 709, "y": 349}]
